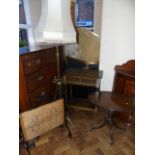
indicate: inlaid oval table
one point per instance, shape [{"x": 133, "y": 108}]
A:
[{"x": 111, "y": 103}]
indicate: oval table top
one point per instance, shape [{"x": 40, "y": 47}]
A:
[{"x": 112, "y": 101}]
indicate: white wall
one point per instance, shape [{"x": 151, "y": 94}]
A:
[
  {"x": 117, "y": 37},
  {"x": 97, "y": 16}
]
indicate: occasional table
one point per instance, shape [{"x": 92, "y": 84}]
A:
[{"x": 111, "y": 102}]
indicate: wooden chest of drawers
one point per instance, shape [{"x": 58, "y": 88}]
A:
[{"x": 36, "y": 72}]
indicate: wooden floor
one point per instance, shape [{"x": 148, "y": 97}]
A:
[{"x": 94, "y": 142}]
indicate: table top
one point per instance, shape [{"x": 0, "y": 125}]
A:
[
  {"x": 83, "y": 73},
  {"x": 112, "y": 101}
]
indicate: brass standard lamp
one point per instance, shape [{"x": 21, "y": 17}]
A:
[{"x": 55, "y": 27}]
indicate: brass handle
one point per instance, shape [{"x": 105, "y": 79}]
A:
[
  {"x": 43, "y": 97},
  {"x": 40, "y": 78},
  {"x": 42, "y": 93},
  {"x": 29, "y": 64},
  {"x": 38, "y": 61}
]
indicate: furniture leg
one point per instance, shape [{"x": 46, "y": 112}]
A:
[
  {"x": 111, "y": 134},
  {"x": 71, "y": 92},
  {"x": 67, "y": 127},
  {"x": 27, "y": 149},
  {"x": 117, "y": 126},
  {"x": 26, "y": 144},
  {"x": 98, "y": 125},
  {"x": 110, "y": 122}
]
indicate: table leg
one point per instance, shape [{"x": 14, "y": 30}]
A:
[
  {"x": 110, "y": 122},
  {"x": 71, "y": 92},
  {"x": 67, "y": 127},
  {"x": 98, "y": 125},
  {"x": 111, "y": 134},
  {"x": 117, "y": 126}
]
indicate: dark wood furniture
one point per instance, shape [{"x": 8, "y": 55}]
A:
[
  {"x": 37, "y": 69},
  {"x": 124, "y": 83},
  {"x": 82, "y": 77},
  {"x": 111, "y": 102}
]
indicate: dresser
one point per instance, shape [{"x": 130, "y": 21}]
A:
[{"x": 36, "y": 73}]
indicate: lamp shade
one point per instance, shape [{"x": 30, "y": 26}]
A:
[{"x": 55, "y": 23}]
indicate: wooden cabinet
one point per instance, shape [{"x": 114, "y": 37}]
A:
[
  {"x": 124, "y": 83},
  {"x": 36, "y": 73}
]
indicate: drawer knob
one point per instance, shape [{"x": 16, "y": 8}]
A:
[
  {"x": 43, "y": 97},
  {"x": 29, "y": 64},
  {"x": 38, "y": 61},
  {"x": 40, "y": 78},
  {"x": 42, "y": 93}
]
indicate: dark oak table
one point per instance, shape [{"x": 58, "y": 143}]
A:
[{"x": 111, "y": 102}]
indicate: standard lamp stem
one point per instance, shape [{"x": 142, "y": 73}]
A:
[{"x": 58, "y": 61}]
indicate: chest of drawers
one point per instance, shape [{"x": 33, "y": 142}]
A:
[{"x": 36, "y": 73}]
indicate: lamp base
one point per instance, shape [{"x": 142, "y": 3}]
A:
[{"x": 60, "y": 88}]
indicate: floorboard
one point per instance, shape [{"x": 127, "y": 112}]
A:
[{"x": 84, "y": 142}]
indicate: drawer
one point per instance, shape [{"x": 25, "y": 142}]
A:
[
  {"x": 36, "y": 61},
  {"x": 90, "y": 82},
  {"x": 42, "y": 95},
  {"x": 72, "y": 79},
  {"x": 39, "y": 78},
  {"x": 85, "y": 81}
]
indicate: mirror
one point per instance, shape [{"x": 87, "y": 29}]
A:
[{"x": 87, "y": 48}]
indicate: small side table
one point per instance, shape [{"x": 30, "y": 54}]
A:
[
  {"x": 82, "y": 77},
  {"x": 111, "y": 102}
]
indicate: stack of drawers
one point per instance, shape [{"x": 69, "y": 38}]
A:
[{"x": 36, "y": 73}]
